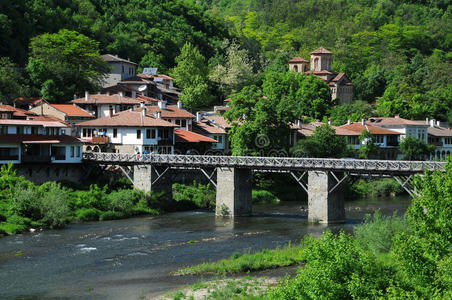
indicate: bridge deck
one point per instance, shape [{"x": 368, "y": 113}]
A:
[{"x": 358, "y": 166}]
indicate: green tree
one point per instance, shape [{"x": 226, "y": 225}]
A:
[
  {"x": 323, "y": 143},
  {"x": 190, "y": 74},
  {"x": 368, "y": 147},
  {"x": 236, "y": 71},
  {"x": 415, "y": 149},
  {"x": 356, "y": 111},
  {"x": 12, "y": 83},
  {"x": 65, "y": 63}
]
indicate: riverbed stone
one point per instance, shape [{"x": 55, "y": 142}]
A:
[
  {"x": 324, "y": 207},
  {"x": 233, "y": 192}
]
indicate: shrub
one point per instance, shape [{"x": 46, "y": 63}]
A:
[
  {"x": 122, "y": 201},
  {"x": 376, "y": 188},
  {"x": 111, "y": 215},
  {"x": 199, "y": 194},
  {"x": 87, "y": 214},
  {"x": 95, "y": 197},
  {"x": 54, "y": 204},
  {"x": 377, "y": 231},
  {"x": 264, "y": 196}
]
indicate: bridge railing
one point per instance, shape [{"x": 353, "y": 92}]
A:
[{"x": 265, "y": 163}]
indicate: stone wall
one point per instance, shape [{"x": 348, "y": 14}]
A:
[{"x": 40, "y": 173}]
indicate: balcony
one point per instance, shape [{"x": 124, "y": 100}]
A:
[
  {"x": 27, "y": 158},
  {"x": 59, "y": 157},
  {"x": 392, "y": 143},
  {"x": 100, "y": 140},
  {"x": 9, "y": 157},
  {"x": 437, "y": 144}
]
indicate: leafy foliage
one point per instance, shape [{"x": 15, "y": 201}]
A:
[
  {"x": 201, "y": 195},
  {"x": 323, "y": 143},
  {"x": 415, "y": 149},
  {"x": 368, "y": 149}
]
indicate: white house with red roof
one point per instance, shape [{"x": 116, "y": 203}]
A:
[
  {"x": 321, "y": 60},
  {"x": 137, "y": 131},
  {"x": 29, "y": 138}
]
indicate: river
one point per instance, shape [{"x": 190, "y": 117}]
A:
[{"x": 127, "y": 259}]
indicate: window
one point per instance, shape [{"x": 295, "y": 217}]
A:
[
  {"x": 4, "y": 129},
  {"x": 122, "y": 69},
  {"x": 148, "y": 133},
  {"x": 72, "y": 151},
  {"x": 184, "y": 123},
  {"x": 220, "y": 139},
  {"x": 115, "y": 132},
  {"x": 138, "y": 134},
  {"x": 178, "y": 122},
  {"x": 20, "y": 130},
  {"x": 34, "y": 130},
  {"x": 153, "y": 133},
  {"x": 78, "y": 151},
  {"x": 379, "y": 139}
]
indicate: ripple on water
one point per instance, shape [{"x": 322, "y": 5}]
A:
[{"x": 87, "y": 249}]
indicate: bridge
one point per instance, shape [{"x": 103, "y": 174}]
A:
[{"x": 321, "y": 178}]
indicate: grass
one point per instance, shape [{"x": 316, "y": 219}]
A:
[{"x": 247, "y": 262}]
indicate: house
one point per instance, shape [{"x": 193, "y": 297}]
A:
[
  {"x": 189, "y": 142},
  {"x": 175, "y": 114},
  {"x": 69, "y": 113},
  {"x": 441, "y": 138},
  {"x": 103, "y": 105},
  {"x": 138, "y": 131},
  {"x": 321, "y": 60},
  {"x": 387, "y": 140},
  {"x": 27, "y": 103},
  {"x": 416, "y": 129},
  {"x": 36, "y": 139},
  {"x": 215, "y": 127},
  {"x": 121, "y": 69}
]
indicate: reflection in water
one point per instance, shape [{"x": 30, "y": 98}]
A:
[{"x": 126, "y": 259}]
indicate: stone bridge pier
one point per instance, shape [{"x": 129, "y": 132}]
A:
[{"x": 149, "y": 178}]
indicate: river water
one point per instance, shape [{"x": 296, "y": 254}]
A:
[{"x": 127, "y": 259}]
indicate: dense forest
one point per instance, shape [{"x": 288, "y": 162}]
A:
[{"x": 397, "y": 53}]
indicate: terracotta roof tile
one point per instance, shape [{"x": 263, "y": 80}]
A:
[
  {"x": 439, "y": 131},
  {"x": 375, "y": 130},
  {"x": 298, "y": 59},
  {"x": 128, "y": 119},
  {"x": 72, "y": 110},
  {"x": 170, "y": 111},
  {"x": 219, "y": 121},
  {"x": 38, "y": 121},
  {"x": 185, "y": 136},
  {"x": 321, "y": 50},
  {"x": 114, "y": 58},
  {"x": 394, "y": 121},
  {"x": 107, "y": 99},
  {"x": 206, "y": 127}
]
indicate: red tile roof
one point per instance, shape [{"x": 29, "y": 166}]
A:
[
  {"x": 107, "y": 99},
  {"x": 298, "y": 60},
  {"x": 321, "y": 50},
  {"x": 38, "y": 138},
  {"x": 7, "y": 108},
  {"x": 170, "y": 111},
  {"x": 219, "y": 121},
  {"x": 206, "y": 127},
  {"x": 128, "y": 119},
  {"x": 394, "y": 121},
  {"x": 185, "y": 136},
  {"x": 17, "y": 112},
  {"x": 439, "y": 131},
  {"x": 72, "y": 110},
  {"x": 375, "y": 130}
]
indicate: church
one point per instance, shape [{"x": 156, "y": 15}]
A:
[{"x": 321, "y": 60}]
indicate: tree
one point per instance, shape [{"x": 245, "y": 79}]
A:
[
  {"x": 190, "y": 74},
  {"x": 356, "y": 111},
  {"x": 236, "y": 71},
  {"x": 415, "y": 149},
  {"x": 323, "y": 143},
  {"x": 368, "y": 147},
  {"x": 65, "y": 63},
  {"x": 12, "y": 83}
]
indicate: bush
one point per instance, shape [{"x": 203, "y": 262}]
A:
[
  {"x": 122, "y": 201},
  {"x": 376, "y": 188},
  {"x": 112, "y": 215},
  {"x": 377, "y": 231},
  {"x": 199, "y": 194},
  {"x": 263, "y": 196},
  {"x": 87, "y": 214},
  {"x": 54, "y": 204}
]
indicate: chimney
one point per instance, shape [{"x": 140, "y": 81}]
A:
[
  {"x": 329, "y": 121},
  {"x": 432, "y": 123},
  {"x": 86, "y": 95},
  {"x": 397, "y": 116},
  {"x": 121, "y": 94},
  {"x": 349, "y": 122},
  {"x": 179, "y": 105},
  {"x": 75, "y": 97},
  {"x": 143, "y": 112},
  {"x": 426, "y": 121},
  {"x": 299, "y": 123},
  {"x": 363, "y": 122},
  {"x": 162, "y": 104},
  {"x": 438, "y": 123},
  {"x": 198, "y": 116},
  {"x": 159, "y": 115},
  {"x": 108, "y": 93},
  {"x": 134, "y": 94},
  {"x": 141, "y": 104}
]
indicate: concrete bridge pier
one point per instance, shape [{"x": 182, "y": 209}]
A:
[
  {"x": 148, "y": 178},
  {"x": 325, "y": 198},
  {"x": 234, "y": 187}
]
